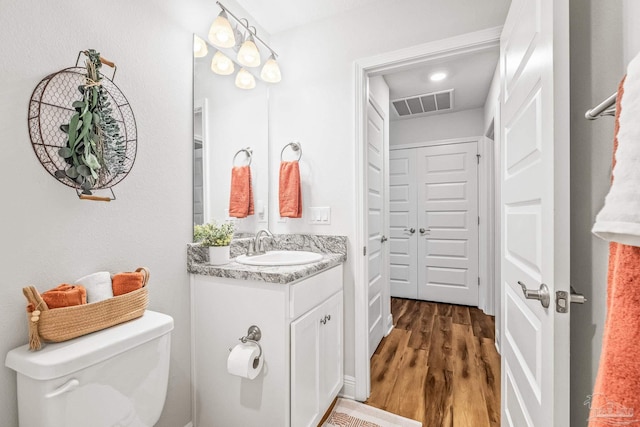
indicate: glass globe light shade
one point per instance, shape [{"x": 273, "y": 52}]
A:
[
  {"x": 245, "y": 80},
  {"x": 221, "y": 64},
  {"x": 221, "y": 33}
]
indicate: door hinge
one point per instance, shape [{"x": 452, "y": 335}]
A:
[
  {"x": 478, "y": 281},
  {"x": 364, "y": 250},
  {"x": 478, "y": 157},
  {"x": 478, "y": 220}
]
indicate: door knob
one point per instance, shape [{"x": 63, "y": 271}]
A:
[
  {"x": 542, "y": 294},
  {"x": 425, "y": 230},
  {"x": 410, "y": 230},
  {"x": 383, "y": 239}
]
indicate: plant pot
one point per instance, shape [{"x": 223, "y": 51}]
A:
[{"x": 218, "y": 255}]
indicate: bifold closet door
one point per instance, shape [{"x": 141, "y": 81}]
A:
[
  {"x": 403, "y": 235},
  {"x": 447, "y": 180}
]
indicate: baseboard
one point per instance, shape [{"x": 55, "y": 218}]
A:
[
  {"x": 389, "y": 324},
  {"x": 349, "y": 388}
]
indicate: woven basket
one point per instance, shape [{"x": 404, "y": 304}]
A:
[{"x": 62, "y": 324}]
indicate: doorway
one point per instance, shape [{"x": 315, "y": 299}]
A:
[{"x": 371, "y": 67}]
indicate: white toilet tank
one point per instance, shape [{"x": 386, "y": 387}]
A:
[{"x": 114, "y": 377}]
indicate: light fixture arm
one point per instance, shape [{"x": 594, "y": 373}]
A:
[{"x": 247, "y": 27}]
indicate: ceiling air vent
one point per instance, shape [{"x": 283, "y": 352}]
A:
[{"x": 421, "y": 104}]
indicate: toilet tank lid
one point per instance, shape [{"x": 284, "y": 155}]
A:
[{"x": 55, "y": 360}]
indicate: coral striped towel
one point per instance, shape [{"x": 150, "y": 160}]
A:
[
  {"x": 65, "y": 295},
  {"x": 241, "y": 197},
  {"x": 619, "y": 219},
  {"x": 290, "y": 195},
  {"x": 616, "y": 395}
]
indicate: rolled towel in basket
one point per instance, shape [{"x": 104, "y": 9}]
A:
[
  {"x": 123, "y": 283},
  {"x": 98, "y": 286},
  {"x": 65, "y": 295}
]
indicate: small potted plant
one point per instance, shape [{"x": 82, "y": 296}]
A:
[{"x": 217, "y": 237}]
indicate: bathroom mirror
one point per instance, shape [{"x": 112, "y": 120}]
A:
[{"x": 226, "y": 120}]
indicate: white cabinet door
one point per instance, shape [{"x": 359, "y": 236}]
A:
[
  {"x": 331, "y": 344},
  {"x": 305, "y": 369},
  {"x": 403, "y": 239},
  {"x": 534, "y": 64},
  {"x": 316, "y": 361}
]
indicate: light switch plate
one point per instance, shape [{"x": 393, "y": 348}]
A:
[{"x": 319, "y": 215}]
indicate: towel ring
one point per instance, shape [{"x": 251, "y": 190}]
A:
[
  {"x": 295, "y": 146},
  {"x": 248, "y": 151}
]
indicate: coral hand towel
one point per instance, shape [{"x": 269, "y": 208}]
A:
[
  {"x": 65, "y": 295},
  {"x": 290, "y": 195},
  {"x": 241, "y": 198},
  {"x": 123, "y": 283},
  {"x": 616, "y": 395},
  {"x": 619, "y": 219}
]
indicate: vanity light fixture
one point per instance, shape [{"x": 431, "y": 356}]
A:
[
  {"x": 248, "y": 55},
  {"x": 221, "y": 64},
  {"x": 221, "y": 33},
  {"x": 436, "y": 77},
  {"x": 200, "y": 49},
  {"x": 271, "y": 71},
  {"x": 245, "y": 80}
]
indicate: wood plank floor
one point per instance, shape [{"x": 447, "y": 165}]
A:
[{"x": 439, "y": 366}]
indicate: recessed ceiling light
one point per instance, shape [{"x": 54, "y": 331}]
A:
[{"x": 436, "y": 77}]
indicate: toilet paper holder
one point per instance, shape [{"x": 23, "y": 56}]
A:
[{"x": 254, "y": 334}]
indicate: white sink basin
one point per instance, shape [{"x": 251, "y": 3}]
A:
[{"x": 271, "y": 258}]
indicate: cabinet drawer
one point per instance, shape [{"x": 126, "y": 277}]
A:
[{"x": 310, "y": 292}]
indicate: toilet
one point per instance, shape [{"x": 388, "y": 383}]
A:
[{"x": 114, "y": 377}]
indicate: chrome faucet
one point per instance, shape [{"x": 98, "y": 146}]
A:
[{"x": 256, "y": 246}]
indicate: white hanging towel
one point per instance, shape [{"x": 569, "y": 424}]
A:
[{"x": 619, "y": 219}]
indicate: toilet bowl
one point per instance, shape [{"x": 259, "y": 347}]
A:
[{"x": 114, "y": 377}]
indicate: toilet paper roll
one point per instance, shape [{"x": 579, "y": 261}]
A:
[
  {"x": 98, "y": 286},
  {"x": 241, "y": 361}
]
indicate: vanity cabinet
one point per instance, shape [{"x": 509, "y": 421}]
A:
[
  {"x": 302, "y": 342},
  {"x": 316, "y": 361}
]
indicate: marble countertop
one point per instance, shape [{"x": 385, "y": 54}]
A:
[
  {"x": 283, "y": 274},
  {"x": 333, "y": 249}
]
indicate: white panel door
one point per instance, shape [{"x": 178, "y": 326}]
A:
[
  {"x": 403, "y": 238},
  {"x": 376, "y": 256},
  {"x": 534, "y": 64},
  {"x": 448, "y": 223}
]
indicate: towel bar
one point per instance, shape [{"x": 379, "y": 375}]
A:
[
  {"x": 295, "y": 146},
  {"x": 248, "y": 151}
]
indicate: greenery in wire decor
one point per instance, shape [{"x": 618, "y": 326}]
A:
[
  {"x": 95, "y": 149},
  {"x": 212, "y": 234}
]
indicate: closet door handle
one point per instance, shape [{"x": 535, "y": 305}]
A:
[
  {"x": 424, "y": 231},
  {"x": 383, "y": 239},
  {"x": 410, "y": 230}
]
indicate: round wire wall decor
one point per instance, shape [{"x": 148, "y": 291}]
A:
[{"x": 51, "y": 108}]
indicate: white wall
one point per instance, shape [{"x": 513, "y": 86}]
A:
[
  {"x": 315, "y": 102},
  {"x": 459, "y": 124},
  {"x": 48, "y": 236},
  {"x": 598, "y": 46},
  {"x": 631, "y": 29}
]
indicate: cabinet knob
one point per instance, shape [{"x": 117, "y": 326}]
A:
[
  {"x": 328, "y": 317},
  {"x": 323, "y": 320}
]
